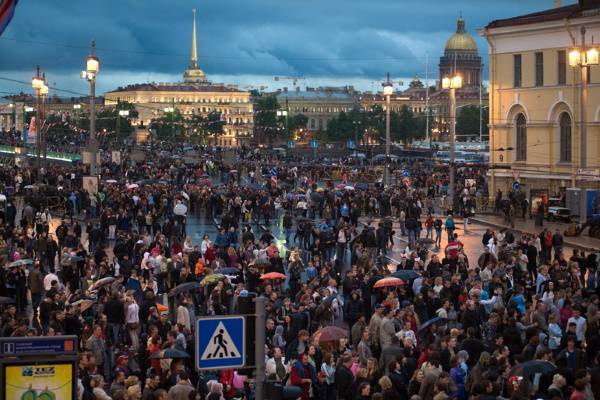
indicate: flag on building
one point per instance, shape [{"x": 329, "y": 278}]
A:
[{"x": 7, "y": 10}]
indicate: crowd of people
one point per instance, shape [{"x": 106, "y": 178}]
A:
[{"x": 119, "y": 267}]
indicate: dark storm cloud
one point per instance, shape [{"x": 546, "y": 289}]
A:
[{"x": 354, "y": 38}]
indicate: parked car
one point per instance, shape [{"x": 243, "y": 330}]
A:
[{"x": 557, "y": 211}]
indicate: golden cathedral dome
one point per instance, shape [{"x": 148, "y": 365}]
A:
[{"x": 461, "y": 40}]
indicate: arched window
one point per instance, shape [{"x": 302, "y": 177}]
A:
[
  {"x": 521, "y": 138},
  {"x": 565, "y": 137}
]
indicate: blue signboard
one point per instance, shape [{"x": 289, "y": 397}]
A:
[
  {"x": 405, "y": 172},
  {"x": 291, "y": 144},
  {"x": 274, "y": 171},
  {"x": 516, "y": 185},
  {"x": 351, "y": 145},
  {"x": 220, "y": 342},
  {"x": 314, "y": 143},
  {"x": 29, "y": 346}
]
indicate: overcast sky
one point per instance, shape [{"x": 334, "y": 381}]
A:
[{"x": 244, "y": 42}]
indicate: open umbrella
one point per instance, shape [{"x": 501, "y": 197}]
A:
[
  {"x": 387, "y": 282},
  {"x": 133, "y": 186},
  {"x": 111, "y": 181},
  {"x": 83, "y": 304},
  {"x": 77, "y": 258},
  {"x": 184, "y": 287},
  {"x": 180, "y": 209},
  {"x": 161, "y": 308},
  {"x": 262, "y": 262},
  {"x": 18, "y": 263},
  {"x": 212, "y": 279},
  {"x": 170, "y": 353},
  {"x": 227, "y": 271},
  {"x": 432, "y": 321},
  {"x": 272, "y": 275},
  {"x": 532, "y": 367},
  {"x": 330, "y": 334},
  {"x": 348, "y": 187},
  {"x": 7, "y": 300},
  {"x": 405, "y": 274},
  {"x": 102, "y": 282}
]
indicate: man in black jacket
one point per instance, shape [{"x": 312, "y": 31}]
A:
[
  {"x": 344, "y": 378},
  {"x": 115, "y": 316}
]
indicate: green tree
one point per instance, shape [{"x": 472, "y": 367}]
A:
[
  {"x": 168, "y": 127},
  {"x": 403, "y": 125},
  {"x": 467, "y": 122},
  {"x": 266, "y": 124},
  {"x": 297, "y": 121}
]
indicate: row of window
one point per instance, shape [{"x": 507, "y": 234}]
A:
[
  {"x": 565, "y": 126},
  {"x": 334, "y": 110},
  {"x": 561, "y": 78}
]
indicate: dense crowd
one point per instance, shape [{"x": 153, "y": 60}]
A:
[{"x": 121, "y": 269}]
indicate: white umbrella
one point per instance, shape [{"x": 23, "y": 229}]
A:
[
  {"x": 111, "y": 181},
  {"x": 133, "y": 186},
  {"x": 348, "y": 187},
  {"x": 180, "y": 209},
  {"x": 2, "y": 197}
]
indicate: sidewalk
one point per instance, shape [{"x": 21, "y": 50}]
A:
[{"x": 581, "y": 242}]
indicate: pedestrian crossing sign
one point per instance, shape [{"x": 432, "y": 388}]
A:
[{"x": 220, "y": 342}]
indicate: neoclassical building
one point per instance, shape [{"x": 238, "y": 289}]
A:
[
  {"x": 195, "y": 95},
  {"x": 535, "y": 100}
]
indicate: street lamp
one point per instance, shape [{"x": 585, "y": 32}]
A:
[
  {"x": 92, "y": 67},
  {"x": 39, "y": 86},
  {"x": 452, "y": 83},
  {"x": 582, "y": 57},
  {"x": 44, "y": 94},
  {"x": 388, "y": 89},
  {"x": 122, "y": 114}
]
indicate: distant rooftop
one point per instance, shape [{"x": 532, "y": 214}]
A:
[
  {"x": 345, "y": 93},
  {"x": 177, "y": 87},
  {"x": 582, "y": 8}
]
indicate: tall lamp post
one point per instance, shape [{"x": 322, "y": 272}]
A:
[
  {"x": 452, "y": 83},
  {"x": 388, "y": 89},
  {"x": 39, "y": 85},
  {"x": 92, "y": 67},
  {"x": 583, "y": 57},
  {"x": 122, "y": 114}
]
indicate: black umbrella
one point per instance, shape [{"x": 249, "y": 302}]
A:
[
  {"x": 227, "y": 271},
  {"x": 6, "y": 300},
  {"x": 262, "y": 262},
  {"x": 432, "y": 321},
  {"x": 184, "y": 287},
  {"x": 532, "y": 367},
  {"x": 405, "y": 274},
  {"x": 170, "y": 353}
]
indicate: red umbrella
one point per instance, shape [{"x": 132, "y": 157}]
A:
[
  {"x": 386, "y": 282},
  {"x": 330, "y": 334},
  {"x": 272, "y": 275}
]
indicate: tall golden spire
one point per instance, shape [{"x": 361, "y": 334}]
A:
[
  {"x": 194, "y": 74},
  {"x": 194, "y": 58}
]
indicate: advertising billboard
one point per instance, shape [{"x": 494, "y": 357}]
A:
[{"x": 47, "y": 381}]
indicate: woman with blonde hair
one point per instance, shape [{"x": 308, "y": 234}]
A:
[
  {"x": 97, "y": 384},
  {"x": 387, "y": 389}
]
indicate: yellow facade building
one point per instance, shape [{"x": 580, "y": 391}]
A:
[
  {"x": 195, "y": 95},
  {"x": 535, "y": 101}
]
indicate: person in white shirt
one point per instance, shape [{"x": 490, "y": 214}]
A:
[
  {"x": 132, "y": 319},
  {"x": 183, "y": 314},
  {"x": 580, "y": 324}
]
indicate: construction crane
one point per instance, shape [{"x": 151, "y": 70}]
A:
[{"x": 294, "y": 79}]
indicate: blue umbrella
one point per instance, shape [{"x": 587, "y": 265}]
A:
[
  {"x": 432, "y": 321},
  {"x": 405, "y": 274}
]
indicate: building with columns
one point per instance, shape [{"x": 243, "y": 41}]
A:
[
  {"x": 195, "y": 95},
  {"x": 536, "y": 103}
]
